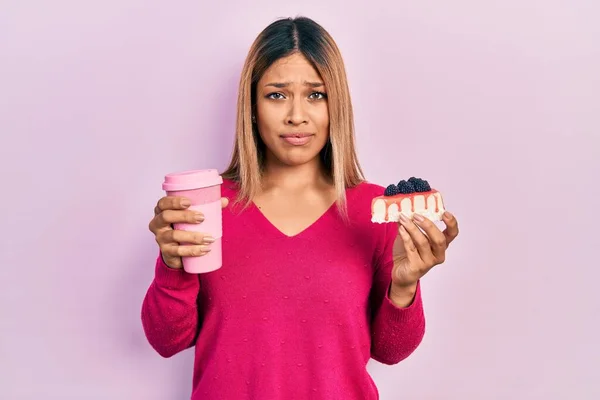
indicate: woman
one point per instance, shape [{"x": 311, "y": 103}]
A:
[{"x": 310, "y": 288}]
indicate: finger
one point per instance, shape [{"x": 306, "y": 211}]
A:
[
  {"x": 174, "y": 251},
  {"x": 419, "y": 239},
  {"x": 451, "y": 231},
  {"x": 409, "y": 247},
  {"x": 172, "y": 203},
  {"x": 187, "y": 237},
  {"x": 437, "y": 240},
  {"x": 190, "y": 250},
  {"x": 169, "y": 217},
  {"x": 224, "y": 202}
]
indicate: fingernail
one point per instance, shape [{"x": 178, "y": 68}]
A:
[
  {"x": 403, "y": 218},
  {"x": 208, "y": 239},
  {"x": 185, "y": 203},
  {"x": 418, "y": 217},
  {"x": 199, "y": 217},
  {"x": 447, "y": 214},
  {"x": 205, "y": 249}
]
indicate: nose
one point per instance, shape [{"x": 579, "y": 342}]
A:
[{"x": 297, "y": 113}]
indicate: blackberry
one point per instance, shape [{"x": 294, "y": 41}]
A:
[
  {"x": 391, "y": 190},
  {"x": 422, "y": 185},
  {"x": 405, "y": 187}
]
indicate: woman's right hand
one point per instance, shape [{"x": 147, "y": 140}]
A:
[{"x": 173, "y": 210}]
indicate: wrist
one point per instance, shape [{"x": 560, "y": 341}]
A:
[{"x": 402, "y": 296}]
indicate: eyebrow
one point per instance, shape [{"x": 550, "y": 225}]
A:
[{"x": 286, "y": 84}]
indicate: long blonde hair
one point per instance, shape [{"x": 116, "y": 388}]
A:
[{"x": 280, "y": 39}]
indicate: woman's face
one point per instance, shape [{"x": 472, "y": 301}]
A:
[{"x": 291, "y": 111}]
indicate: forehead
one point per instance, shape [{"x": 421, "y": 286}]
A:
[{"x": 294, "y": 69}]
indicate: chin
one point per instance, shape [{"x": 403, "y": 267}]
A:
[{"x": 295, "y": 158}]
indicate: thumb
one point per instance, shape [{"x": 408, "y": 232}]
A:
[{"x": 224, "y": 202}]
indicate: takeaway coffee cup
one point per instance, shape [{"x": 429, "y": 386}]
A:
[{"x": 203, "y": 189}]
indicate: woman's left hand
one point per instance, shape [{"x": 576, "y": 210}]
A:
[{"x": 419, "y": 246}]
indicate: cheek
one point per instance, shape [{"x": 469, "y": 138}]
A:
[
  {"x": 324, "y": 125},
  {"x": 265, "y": 123},
  {"x": 321, "y": 118},
  {"x": 269, "y": 118},
  {"x": 265, "y": 134}
]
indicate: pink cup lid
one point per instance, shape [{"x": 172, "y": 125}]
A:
[{"x": 194, "y": 179}]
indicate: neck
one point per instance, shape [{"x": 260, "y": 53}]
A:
[{"x": 280, "y": 176}]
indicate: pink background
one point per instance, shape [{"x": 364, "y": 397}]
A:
[{"x": 496, "y": 103}]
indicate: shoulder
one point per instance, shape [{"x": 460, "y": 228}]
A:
[
  {"x": 229, "y": 189},
  {"x": 363, "y": 193},
  {"x": 359, "y": 200},
  {"x": 368, "y": 188}
]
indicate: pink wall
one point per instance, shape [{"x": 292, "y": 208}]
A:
[{"x": 496, "y": 103}]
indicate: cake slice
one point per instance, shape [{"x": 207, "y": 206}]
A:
[{"x": 407, "y": 197}]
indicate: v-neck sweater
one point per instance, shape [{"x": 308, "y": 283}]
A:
[{"x": 287, "y": 317}]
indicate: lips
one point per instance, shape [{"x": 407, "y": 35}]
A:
[
  {"x": 297, "y": 138},
  {"x": 297, "y": 134}
]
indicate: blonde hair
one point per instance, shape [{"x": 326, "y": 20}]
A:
[{"x": 280, "y": 39}]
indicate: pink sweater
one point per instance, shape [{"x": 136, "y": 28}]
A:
[{"x": 287, "y": 317}]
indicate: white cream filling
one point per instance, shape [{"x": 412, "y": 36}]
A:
[{"x": 378, "y": 211}]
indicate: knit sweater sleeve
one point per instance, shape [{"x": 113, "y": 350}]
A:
[
  {"x": 170, "y": 311},
  {"x": 396, "y": 331}
]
